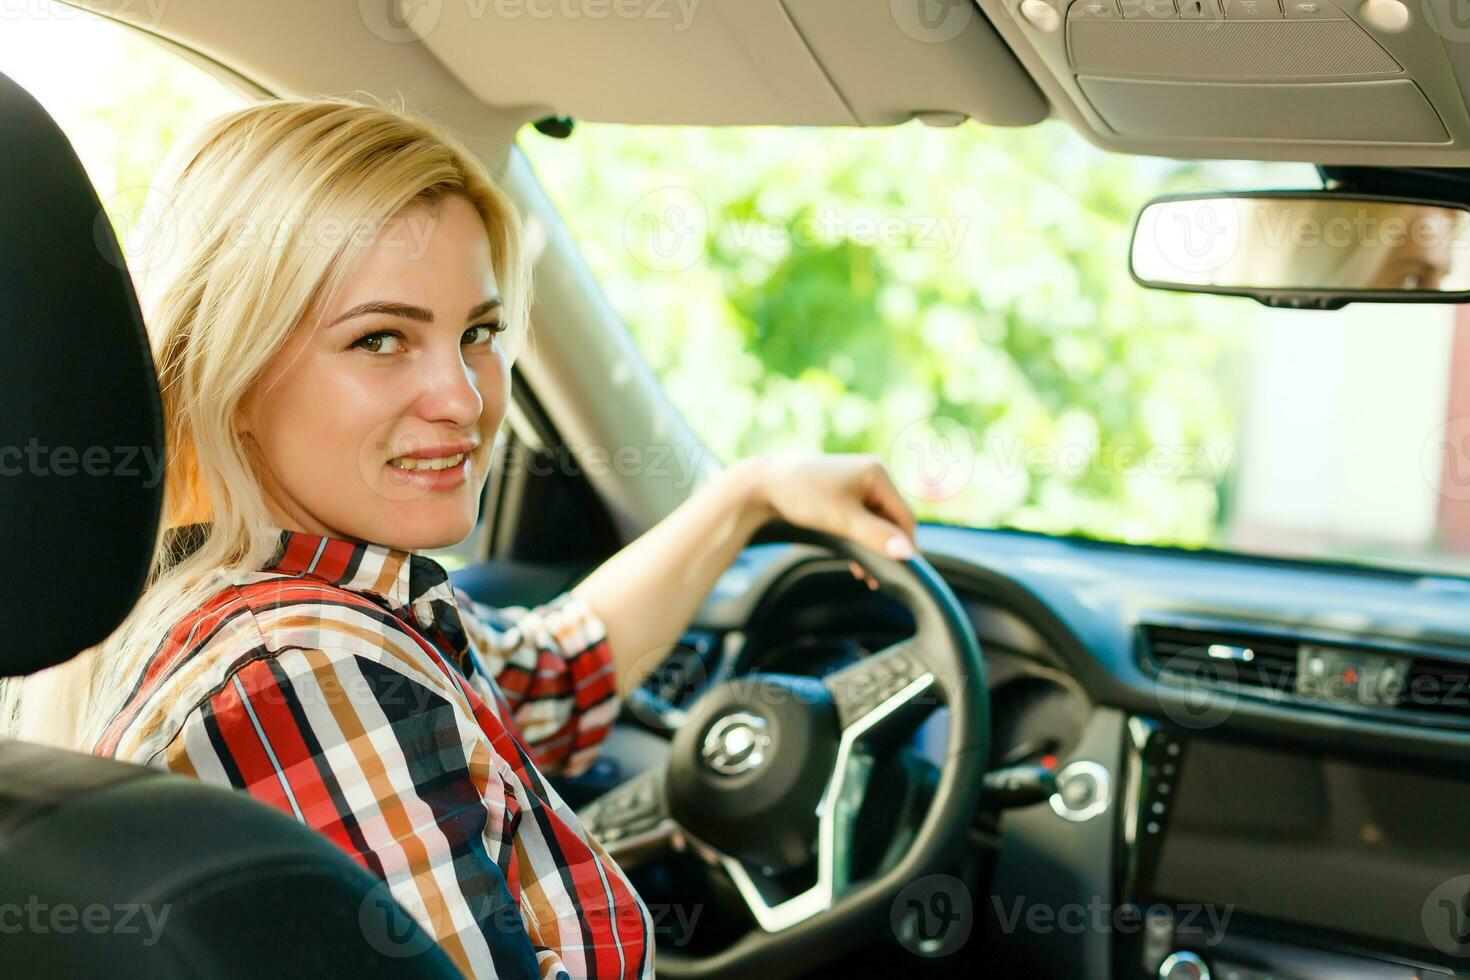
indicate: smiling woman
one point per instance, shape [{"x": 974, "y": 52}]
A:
[
  {"x": 329, "y": 402},
  {"x": 330, "y": 398}
]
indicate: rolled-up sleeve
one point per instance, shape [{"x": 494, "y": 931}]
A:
[{"x": 553, "y": 666}]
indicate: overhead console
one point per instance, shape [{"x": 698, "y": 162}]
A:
[{"x": 1351, "y": 81}]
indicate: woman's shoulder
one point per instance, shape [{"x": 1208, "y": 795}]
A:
[{"x": 259, "y": 618}]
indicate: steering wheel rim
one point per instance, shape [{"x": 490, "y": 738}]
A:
[{"x": 656, "y": 809}]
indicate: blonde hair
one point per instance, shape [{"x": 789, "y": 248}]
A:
[{"x": 256, "y": 219}]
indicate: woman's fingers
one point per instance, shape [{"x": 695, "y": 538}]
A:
[{"x": 861, "y": 573}]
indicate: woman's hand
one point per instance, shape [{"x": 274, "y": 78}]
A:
[{"x": 850, "y": 495}]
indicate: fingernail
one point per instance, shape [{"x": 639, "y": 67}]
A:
[{"x": 899, "y": 548}]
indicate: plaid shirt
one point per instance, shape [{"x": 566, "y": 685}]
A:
[{"x": 352, "y": 686}]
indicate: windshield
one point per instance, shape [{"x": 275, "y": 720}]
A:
[{"x": 958, "y": 302}]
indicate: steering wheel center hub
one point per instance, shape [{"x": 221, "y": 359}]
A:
[{"x": 747, "y": 770}]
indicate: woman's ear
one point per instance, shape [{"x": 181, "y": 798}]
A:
[{"x": 241, "y": 418}]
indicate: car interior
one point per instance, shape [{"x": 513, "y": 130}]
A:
[{"x": 1029, "y": 753}]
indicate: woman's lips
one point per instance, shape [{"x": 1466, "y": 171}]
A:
[{"x": 444, "y": 479}]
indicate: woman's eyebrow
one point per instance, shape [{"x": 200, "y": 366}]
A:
[{"x": 410, "y": 312}]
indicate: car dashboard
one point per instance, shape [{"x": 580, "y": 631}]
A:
[{"x": 1261, "y": 764}]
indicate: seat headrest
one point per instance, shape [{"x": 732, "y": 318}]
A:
[{"x": 81, "y": 425}]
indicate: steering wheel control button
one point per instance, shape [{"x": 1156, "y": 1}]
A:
[
  {"x": 1183, "y": 966},
  {"x": 862, "y": 688},
  {"x": 633, "y": 808},
  {"x": 736, "y": 744},
  {"x": 1083, "y": 790}
]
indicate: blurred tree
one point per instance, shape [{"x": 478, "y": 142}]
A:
[{"x": 956, "y": 301}]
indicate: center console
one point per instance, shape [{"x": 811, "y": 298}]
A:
[{"x": 1255, "y": 862}]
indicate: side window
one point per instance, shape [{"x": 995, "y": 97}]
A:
[{"x": 121, "y": 97}]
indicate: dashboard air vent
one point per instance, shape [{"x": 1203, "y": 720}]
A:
[{"x": 1210, "y": 656}]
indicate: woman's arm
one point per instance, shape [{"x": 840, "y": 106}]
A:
[{"x": 647, "y": 593}]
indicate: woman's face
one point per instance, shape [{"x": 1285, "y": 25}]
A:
[{"x": 375, "y": 421}]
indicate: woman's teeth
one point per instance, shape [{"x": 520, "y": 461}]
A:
[{"x": 433, "y": 463}]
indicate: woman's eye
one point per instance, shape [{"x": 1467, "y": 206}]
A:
[
  {"x": 380, "y": 342},
  {"x": 482, "y": 333}
]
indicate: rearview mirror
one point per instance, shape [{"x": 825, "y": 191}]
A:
[{"x": 1307, "y": 249}]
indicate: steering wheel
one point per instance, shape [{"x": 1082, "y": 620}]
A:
[{"x": 771, "y": 769}]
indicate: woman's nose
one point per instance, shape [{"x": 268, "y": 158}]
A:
[{"x": 450, "y": 391}]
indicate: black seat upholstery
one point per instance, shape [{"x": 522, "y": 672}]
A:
[{"x": 108, "y": 869}]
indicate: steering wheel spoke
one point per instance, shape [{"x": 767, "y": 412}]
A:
[
  {"x": 632, "y": 820},
  {"x": 774, "y": 910},
  {"x": 880, "y": 686}
]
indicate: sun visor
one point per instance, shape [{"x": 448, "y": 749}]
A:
[{"x": 731, "y": 62}]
